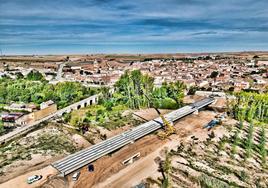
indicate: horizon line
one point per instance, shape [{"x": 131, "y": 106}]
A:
[{"x": 130, "y": 53}]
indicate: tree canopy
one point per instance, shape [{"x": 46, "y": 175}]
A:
[
  {"x": 133, "y": 87},
  {"x": 29, "y": 91},
  {"x": 250, "y": 106},
  {"x": 214, "y": 74},
  {"x": 35, "y": 75}
]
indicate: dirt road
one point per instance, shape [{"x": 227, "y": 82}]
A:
[{"x": 21, "y": 181}]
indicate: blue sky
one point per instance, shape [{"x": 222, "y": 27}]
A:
[{"x": 132, "y": 26}]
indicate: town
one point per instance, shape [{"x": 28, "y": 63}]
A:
[
  {"x": 133, "y": 94},
  {"x": 83, "y": 96},
  {"x": 221, "y": 72}
]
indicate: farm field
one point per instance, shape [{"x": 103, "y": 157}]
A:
[{"x": 236, "y": 159}]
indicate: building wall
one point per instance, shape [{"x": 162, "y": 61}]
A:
[
  {"x": 25, "y": 120},
  {"x": 37, "y": 115}
]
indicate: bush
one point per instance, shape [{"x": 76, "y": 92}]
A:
[
  {"x": 262, "y": 146},
  {"x": 2, "y": 129},
  {"x": 210, "y": 182},
  {"x": 67, "y": 117},
  {"x": 166, "y": 103},
  {"x": 109, "y": 105},
  {"x": 249, "y": 142},
  {"x": 35, "y": 75}
]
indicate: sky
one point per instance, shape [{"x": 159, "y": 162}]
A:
[{"x": 132, "y": 26}]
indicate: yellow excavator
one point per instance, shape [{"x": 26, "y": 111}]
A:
[{"x": 168, "y": 125}]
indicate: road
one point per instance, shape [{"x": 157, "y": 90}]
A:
[{"x": 77, "y": 160}]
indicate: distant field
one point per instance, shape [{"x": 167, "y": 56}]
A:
[{"x": 54, "y": 58}]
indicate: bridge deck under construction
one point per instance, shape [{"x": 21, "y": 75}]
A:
[{"x": 77, "y": 160}]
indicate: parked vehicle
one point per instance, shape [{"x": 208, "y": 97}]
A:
[
  {"x": 34, "y": 178},
  {"x": 90, "y": 167},
  {"x": 76, "y": 176},
  {"x": 211, "y": 124}
]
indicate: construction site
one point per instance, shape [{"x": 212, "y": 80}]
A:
[
  {"x": 125, "y": 157},
  {"x": 195, "y": 140}
]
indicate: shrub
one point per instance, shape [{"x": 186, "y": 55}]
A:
[
  {"x": 210, "y": 182},
  {"x": 249, "y": 142},
  {"x": 262, "y": 145},
  {"x": 166, "y": 103}
]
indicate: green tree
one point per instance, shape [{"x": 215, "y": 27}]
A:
[
  {"x": 214, "y": 74},
  {"x": 249, "y": 142},
  {"x": 35, "y": 75},
  {"x": 19, "y": 75},
  {"x": 166, "y": 170},
  {"x": 131, "y": 88},
  {"x": 105, "y": 91},
  {"x": 249, "y": 106},
  {"x": 2, "y": 130},
  {"x": 175, "y": 90},
  {"x": 262, "y": 145},
  {"x": 28, "y": 91}
]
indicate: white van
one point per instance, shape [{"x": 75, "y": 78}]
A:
[
  {"x": 34, "y": 178},
  {"x": 76, "y": 176}
]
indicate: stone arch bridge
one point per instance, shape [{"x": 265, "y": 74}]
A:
[{"x": 81, "y": 104}]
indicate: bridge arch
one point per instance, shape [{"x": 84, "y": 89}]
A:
[{"x": 63, "y": 114}]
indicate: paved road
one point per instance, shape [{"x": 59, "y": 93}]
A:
[
  {"x": 77, "y": 160},
  {"x": 59, "y": 73}
]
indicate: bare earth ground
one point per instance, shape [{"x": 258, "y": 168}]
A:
[
  {"x": 21, "y": 181},
  {"x": 111, "y": 167},
  {"x": 29, "y": 168},
  {"x": 150, "y": 146},
  {"x": 149, "y": 113},
  {"x": 38, "y": 159},
  {"x": 146, "y": 167},
  {"x": 108, "y": 165}
]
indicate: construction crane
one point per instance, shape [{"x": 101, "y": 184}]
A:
[{"x": 168, "y": 125}]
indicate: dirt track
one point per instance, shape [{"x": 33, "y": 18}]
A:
[{"x": 21, "y": 181}]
